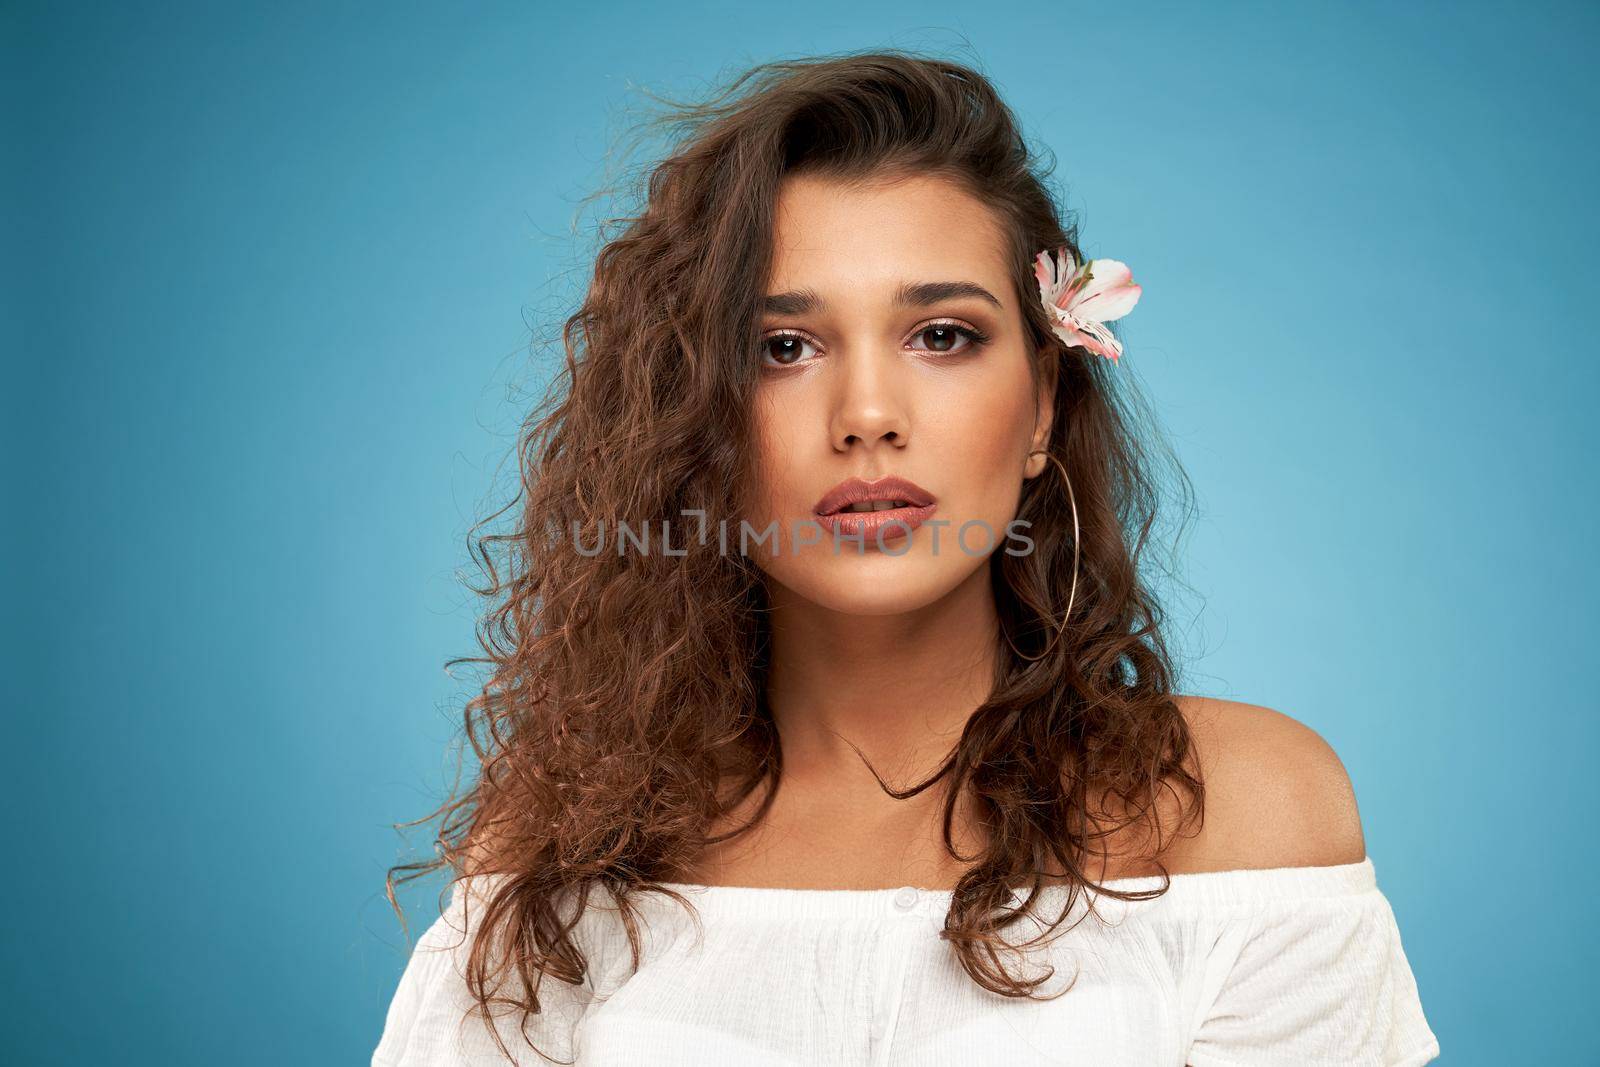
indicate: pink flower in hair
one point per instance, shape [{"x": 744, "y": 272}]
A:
[{"x": 1081, "y": 299}]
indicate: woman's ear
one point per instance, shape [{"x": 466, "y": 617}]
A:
[{"x": 1045, "y": 412}]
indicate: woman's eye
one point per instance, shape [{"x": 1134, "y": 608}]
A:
[
  {"x": 948, "y": 337},
  {"x": 783, "y": 349}
]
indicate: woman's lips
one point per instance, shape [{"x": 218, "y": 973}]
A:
[
  {"x": 866, "y": 524},
  {"x": 889, "y": 488}
]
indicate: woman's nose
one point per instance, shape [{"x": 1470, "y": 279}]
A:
[{"x": 870, "y": 404}]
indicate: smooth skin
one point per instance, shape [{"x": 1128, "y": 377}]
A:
[{"x": 891, "y": 652}]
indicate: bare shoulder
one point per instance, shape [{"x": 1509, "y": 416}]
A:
[{"x": 1276, "y": 793}]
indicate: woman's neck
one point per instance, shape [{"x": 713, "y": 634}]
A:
[{"x": 900, "y": 687}]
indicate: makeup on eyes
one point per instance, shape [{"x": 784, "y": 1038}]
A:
[{"x": 975, "y": 338}]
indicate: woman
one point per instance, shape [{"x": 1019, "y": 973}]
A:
[{"x": 904, "y": 780}]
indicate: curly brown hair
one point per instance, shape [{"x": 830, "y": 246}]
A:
[{"x": 624, "y": 712}]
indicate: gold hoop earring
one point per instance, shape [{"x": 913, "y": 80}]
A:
[{"x": 1072, "y": 595}]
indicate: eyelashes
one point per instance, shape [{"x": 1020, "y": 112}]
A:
[{"x": 970, "y": 339}]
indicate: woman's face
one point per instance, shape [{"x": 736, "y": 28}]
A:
[{"x": 892, "y": 345}]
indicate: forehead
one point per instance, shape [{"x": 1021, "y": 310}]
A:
[{"x": 866, "y": 239}]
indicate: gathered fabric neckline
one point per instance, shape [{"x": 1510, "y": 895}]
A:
[{"x": 1190, "y": 888}]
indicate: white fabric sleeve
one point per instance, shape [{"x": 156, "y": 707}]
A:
[
  {"x": 1313, "y": 981},
  {"x": 428, "y": 1022}
]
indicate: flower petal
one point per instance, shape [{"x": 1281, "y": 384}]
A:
[
  {"x": 1069, "y": 335},
  {"x": 1044, "y": 269},
  {"x": 1077, "y": 333},
  {"x": 1110, "y": 294},
  {"x": 1100, "y": 340},
  {"x": 1055, "y": 270}
]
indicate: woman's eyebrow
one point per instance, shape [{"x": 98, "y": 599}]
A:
[{"x": 910, "y": 294}]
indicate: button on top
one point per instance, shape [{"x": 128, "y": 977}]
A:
[{"x": 906, "y": 898}]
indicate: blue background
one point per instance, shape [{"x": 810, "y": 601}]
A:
[{"x": 273, "y": 275}]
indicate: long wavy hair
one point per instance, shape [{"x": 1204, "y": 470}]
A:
[{"x": 623, "y": 713}]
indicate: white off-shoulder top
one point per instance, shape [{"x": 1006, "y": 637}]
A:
[{"x": 1293, "y": 966}]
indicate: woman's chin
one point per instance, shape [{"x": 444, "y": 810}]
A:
[{"x": 873, "y": 585}]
